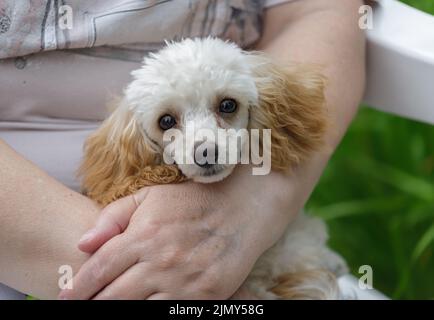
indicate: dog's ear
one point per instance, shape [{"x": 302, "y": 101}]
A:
[
  {"x": 292, "y": 104},
  {"x": 114, "y": 154}
]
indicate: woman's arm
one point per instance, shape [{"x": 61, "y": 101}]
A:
[
  {"x": 327, "y": 33},
  {"x": 40, "y": 223},
  {"x": 254, "y": 210}
]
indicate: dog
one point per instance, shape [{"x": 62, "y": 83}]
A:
[{"x": 216, "y": 85}]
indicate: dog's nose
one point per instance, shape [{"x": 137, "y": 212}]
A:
[{"x": 201, "y": 156}]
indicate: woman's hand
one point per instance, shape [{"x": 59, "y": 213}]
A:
[{"x": 183, "y": 241}]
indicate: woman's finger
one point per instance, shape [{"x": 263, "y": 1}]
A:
[
  {"x": 113, "y": 220},
  {"x": 105, "y": 265},
  {"x": 129, "y": 286}
]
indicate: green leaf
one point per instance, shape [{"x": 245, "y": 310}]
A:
[
  {"x": 399, "y": 179},
  {"x": 424, "y": 242},
  {"x": 359, "y": 207}
]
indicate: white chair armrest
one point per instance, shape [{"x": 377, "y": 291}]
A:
[{"x": 400, "y": 77}]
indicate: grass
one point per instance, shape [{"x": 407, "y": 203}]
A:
[{"x": 377, "y": 196}]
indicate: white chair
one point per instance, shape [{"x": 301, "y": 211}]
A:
[
  {"x": 400, "y": 77},
  {"x": 400, "y": 80}
]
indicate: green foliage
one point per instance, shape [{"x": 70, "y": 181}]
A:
[
  {"x": 377, "y": 196},
  {"x": 424, "y": 5}
]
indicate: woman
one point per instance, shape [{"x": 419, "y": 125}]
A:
[{"x": 52, "y": 101}]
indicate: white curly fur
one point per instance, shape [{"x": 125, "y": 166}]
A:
[{"x": 302, "y": 248}]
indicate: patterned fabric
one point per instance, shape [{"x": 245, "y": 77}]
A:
[{"x": 122, "y": 29}]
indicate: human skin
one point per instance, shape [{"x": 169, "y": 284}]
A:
[
  {"x": 171, "y": 219},
  {"x": 40, "y": 223}
]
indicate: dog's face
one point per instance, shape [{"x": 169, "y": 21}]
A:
[
  {"x": 213, "y": 85},
  {"x": 204, "y": 83}
]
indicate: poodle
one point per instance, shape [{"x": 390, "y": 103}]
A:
[{"x": 215, "y": 85}]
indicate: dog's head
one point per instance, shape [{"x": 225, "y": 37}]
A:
[
  {"x": 193, "y": 85},
  {"x": 212, "y": 85}
]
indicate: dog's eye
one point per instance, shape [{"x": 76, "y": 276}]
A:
[
  {"x": 167, "y": 121},
  {"x": 228, "y": 106}
]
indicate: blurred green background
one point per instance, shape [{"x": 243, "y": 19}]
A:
[{"x": 377, "y": 196}]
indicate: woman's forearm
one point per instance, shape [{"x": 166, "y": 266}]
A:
[
  {"x": 41, "y": 222},
  {"x": 326, "y": 33}
]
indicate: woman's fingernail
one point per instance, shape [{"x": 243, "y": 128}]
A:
[{"x": 88, "y": 235}]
